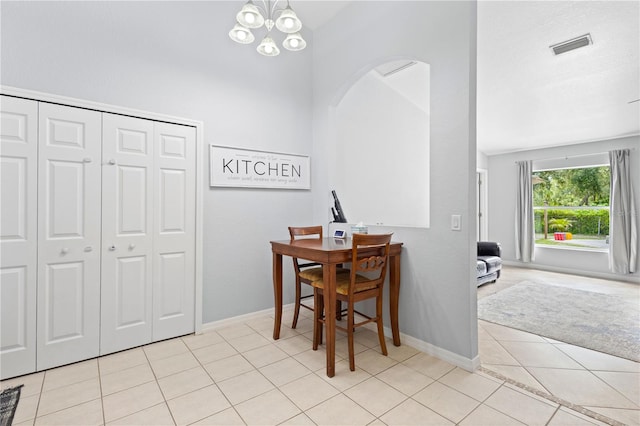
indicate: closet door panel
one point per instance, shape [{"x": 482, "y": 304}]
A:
[
  {"x": 127, "y": 204},
  {"x": 18, "y": 235},
  {"x": 63, "y": 307},
  {"x": 174, "y": 235},
  {"x": 68, "y": 292}
]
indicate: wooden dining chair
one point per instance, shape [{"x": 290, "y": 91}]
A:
[
  {"x": 370, "y": 257},
  {"x": 306, "y": 271}
]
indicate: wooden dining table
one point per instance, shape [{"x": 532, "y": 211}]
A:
[{"x": 331, "y": 252}]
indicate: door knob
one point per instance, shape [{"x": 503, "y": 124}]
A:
[
  {"x": 132, "y": 246},
  {"x": 88, "y": 249},
  {"x": 86, "y": 160},
  {"x": 112, "y": 161},
  {"x": 112, "y": 248},
  {"x": 64, "y": 251}
]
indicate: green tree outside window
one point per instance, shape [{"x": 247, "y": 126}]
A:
[{"x": 573, "y": 200}]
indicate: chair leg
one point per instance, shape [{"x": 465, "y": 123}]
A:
[
  {"x": 296, "y": 309},
  {"x": 318, "y": 306},
  {"x": 350, "y": 330},
  {"x": 383, "y": 344},
  {"x": 320, "y": 316}
]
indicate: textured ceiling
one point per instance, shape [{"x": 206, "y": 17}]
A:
[{"x": 527, "y": 97}]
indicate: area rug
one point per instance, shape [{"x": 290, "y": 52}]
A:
[
  {"x": 602, "y": 322},
  {"x": 8, "y": 403}
]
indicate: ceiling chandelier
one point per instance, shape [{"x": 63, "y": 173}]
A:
[{"x": 253, "y": 16}]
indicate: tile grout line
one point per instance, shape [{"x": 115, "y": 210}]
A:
[
  {"x": 41, "y": 392},
  {"x": 155, "y": 377},
  {"x": 226, "y": 340},
  {"x": 233, "y": 406},
  {"x": 315, "y": 373},
  {"x": 554, "y": 414},
  {"x": 154, "y": 380},
  {"x": 575, "y": 407},
  {"x": 104, "y": 418},
  {"x": 484, "y": 403},
  {"x": 302, "y": 411},
  {"x": 340, "y": 392},
  {"x": 499, "y": 342},
  {"x": 35, "y": 416}
]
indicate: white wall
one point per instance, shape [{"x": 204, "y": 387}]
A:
[
  {"x": 176, "y": 58},
  {"x": 382, "y": 155},
  {"x": 482, "y": 160},
  {"x": 502, "y": 190},
  {"x": 438, "y": 295}
]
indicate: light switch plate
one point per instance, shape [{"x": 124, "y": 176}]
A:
[{"x": 456, "y": 222}]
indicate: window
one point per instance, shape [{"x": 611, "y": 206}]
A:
[{"x": 571, "y": 207}]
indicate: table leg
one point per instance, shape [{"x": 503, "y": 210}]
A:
[
  {"x": 329, "y": 278},
  {"x": 394, "y": 296},
  {"x": 277, "y": 294}
]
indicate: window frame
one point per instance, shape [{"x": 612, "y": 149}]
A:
[{"x": 591, "y": 161}]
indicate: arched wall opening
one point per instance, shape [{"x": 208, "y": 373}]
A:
[{"x": 380, "y": 125}]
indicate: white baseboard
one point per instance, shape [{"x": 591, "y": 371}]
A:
[
  {"x": 227, "y": 322},
  {"x": 467, "y": 364},
  {"x": 445, "y": 355},
  {"x": 592, "y": 274}
]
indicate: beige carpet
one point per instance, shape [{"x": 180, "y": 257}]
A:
[{"x": 602, "y": 322}]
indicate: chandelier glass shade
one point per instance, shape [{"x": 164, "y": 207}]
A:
[
  {"x": 294, "y": 42},
  {"x": 253, "y": 16},
  {"x": 241, "y": 35},
  {"x": 288, "y": 22},
  {"x": 249, "y": 16},
  {"x": 268, "y": 47}
]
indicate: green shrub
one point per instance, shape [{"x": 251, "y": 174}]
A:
[
  {"x": 558, "y": 224},
  {"x": 583, "y": 222}
]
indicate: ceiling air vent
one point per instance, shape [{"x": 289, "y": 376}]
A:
[{"x": 574, "y": 43}]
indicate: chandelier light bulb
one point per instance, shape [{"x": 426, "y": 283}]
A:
[{"x": 250, "y": 18}]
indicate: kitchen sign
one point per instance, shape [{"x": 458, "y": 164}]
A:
[{"x": 237, "y": 167}]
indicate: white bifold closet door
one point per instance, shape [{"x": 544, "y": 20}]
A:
[
  {"x": 127, "y": 232},
  {"x": 148, "y": 232},
  {"x": 174, "y": 230},
  {"x": 97, "y": 232},
  {"x": 18, "y": 235},
  {"x": 68, "y": 322}
]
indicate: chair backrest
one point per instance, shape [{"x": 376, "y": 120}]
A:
[
  {"x": 305, "y": 231},
  {"x": 370, "y": 255},
  {"x": 296, "y": 232}
]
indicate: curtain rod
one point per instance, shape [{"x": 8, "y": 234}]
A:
[{"x": 566, "y": 157}]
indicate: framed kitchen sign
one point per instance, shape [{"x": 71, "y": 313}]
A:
[{"x": 237, "y": 167}]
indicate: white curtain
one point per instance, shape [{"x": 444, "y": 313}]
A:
[
  {"x": 525, "y": 232},
  {"x": 623, "y": 232}
]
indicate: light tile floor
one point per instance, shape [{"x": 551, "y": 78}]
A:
[
  {"x": 598, "y": 382},
  {"x": 239, "y": 375}
]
